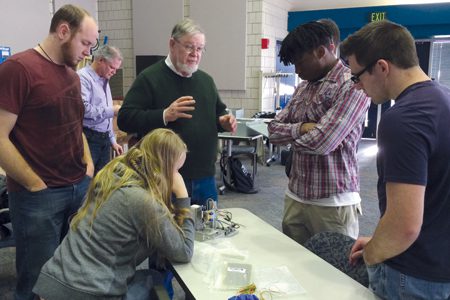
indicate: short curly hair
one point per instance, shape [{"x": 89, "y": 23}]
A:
[{"x": 304, "y": 39}]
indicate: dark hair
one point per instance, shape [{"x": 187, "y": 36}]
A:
[
  {"x": 303, "y": 39},
  {"x": 382, "y": 39},
  {"x": 333, "y": 29},
  {"x": 71, "y": 14}
]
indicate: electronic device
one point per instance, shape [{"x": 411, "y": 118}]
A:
[{"x": 208, "y": 223}]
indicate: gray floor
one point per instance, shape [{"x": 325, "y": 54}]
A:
[{"x": 267, "y": 204}]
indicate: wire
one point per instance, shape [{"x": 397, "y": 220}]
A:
[{"x": 227, "y": 219}]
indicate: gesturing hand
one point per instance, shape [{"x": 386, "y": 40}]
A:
[
  {"x": 228, "y": 122},
  {"x": 178, "y": 108}
]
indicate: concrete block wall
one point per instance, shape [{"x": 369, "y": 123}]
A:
[
  {"x": 265, "y": 18},
  {"x": 115, "y": 21},
  {"x": 249, "y": 99},
  {"x": 274, "y": 22}
]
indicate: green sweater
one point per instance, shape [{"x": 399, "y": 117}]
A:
[{"x": 154, "y": 90}]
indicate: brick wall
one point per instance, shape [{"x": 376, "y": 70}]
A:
[
  {"x": 265, "y": 18},
  {"x": 114, "y": 20}
]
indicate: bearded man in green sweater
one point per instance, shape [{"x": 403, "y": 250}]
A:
[{"x": 173, "y": 93}]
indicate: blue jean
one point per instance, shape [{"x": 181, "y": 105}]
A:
[
  {"x": 100, "y": 147},
  {"x": 201, "y": 189},
  {"x": 140, "y": 287},
  {"x": 40, "y": 220},
  {"x": 388, "y": 283},
  {"x": 164, "y": 276}
]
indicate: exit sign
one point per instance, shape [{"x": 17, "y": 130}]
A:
[{"x": 377, "y": 16}]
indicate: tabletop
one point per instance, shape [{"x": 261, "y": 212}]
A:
[
  {"x": 243, "y": 132},
  {"x": 270, "y": 249}
]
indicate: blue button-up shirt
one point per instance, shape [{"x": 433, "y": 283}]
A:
[{"x": 97, "y": 101}]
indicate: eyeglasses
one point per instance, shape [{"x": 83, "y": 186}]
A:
[
  {"x": 110, "y": 64},
  {"x": 355, "y": 77},
  {"x": 191, "y": 48}
]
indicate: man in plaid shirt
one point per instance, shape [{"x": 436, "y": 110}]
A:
[{"x": 323, "y": 122}]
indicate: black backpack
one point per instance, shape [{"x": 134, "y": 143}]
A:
[
  {"x": 3, "y": 192},
  {"x": 240, "y": 179},
  {"x": 4, "y": 211}
]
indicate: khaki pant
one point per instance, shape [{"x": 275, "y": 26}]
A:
[{"x": 302, "y": 221}]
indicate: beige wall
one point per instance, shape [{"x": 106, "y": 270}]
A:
[
  {"x": 114, "y": 20},
  {"x": 265, "y": 18}
]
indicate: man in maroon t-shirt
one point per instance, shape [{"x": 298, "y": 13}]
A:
[{"x": 42, "y": 149}]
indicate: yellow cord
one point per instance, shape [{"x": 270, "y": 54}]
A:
[
  {"x": 248, "y": 289},
  {"x": 251, "y": 289}
]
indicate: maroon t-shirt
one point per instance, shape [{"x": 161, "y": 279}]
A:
[{"x": 46, "y": 98}]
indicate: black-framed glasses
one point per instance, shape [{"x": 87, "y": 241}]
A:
[
  {"x": 355, "y": 77},
  {"x": 191, "y": 48}
]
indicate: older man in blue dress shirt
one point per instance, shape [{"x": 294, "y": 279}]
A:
[{"x": 99, "y": 108}]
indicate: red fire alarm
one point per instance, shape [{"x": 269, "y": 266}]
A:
[{"x": 265, "y": 43}]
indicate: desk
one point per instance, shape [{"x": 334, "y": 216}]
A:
[
  {"x": 268, "y": 247},
  {"x": 243, "y": 133},
  {"x": 260, "y": 126}
]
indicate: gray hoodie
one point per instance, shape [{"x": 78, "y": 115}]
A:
[{"x": 98, "y": 263}]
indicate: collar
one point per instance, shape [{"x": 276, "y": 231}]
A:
[
  {"x": 94, "y": 74},
  {"x": 412, "y": 87},
  {"x": 169, "y": 63},
  {"x": 334, "y": 74}
]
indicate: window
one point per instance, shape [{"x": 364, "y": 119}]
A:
[{"x": 440, "y": 61}]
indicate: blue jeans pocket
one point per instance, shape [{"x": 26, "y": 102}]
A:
[{"x": 376, "y": 278}]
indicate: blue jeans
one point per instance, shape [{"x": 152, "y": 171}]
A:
[
  {"x": 40, "y": 220},
  {"x": 140, "y": 287},
  {"x": 100, "y": 147},
  {"x": 388, "y": 283},
  {"x": 201, "y": 189}
]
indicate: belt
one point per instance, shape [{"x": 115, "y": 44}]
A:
[{"x": 91, "y": 132}]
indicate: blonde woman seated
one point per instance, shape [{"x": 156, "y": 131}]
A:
[{"x": 128, "y": 215}]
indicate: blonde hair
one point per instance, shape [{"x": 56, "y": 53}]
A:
[{"x": 150, "y": 165}]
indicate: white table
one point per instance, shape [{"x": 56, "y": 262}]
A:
[{"x": 268, "y": 247}]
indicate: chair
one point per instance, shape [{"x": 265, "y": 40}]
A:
[{"x": 334, "y": 248}]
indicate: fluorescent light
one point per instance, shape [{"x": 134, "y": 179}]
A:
[
  {"x": 442, "y": 36},
  {"x": 419, "y": 1}
]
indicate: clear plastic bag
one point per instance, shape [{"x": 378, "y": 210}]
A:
[
  {"x": 278, "y": 281},
  {"x": 231, "y": 276},
  {"x": 225, "y": 267}
]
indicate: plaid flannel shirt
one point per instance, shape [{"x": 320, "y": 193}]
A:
[{"x": 324, "y": 161}]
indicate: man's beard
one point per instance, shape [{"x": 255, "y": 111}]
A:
[
  {"x": 184, "y": 68},
  {"x": 67, "y": 55}
]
